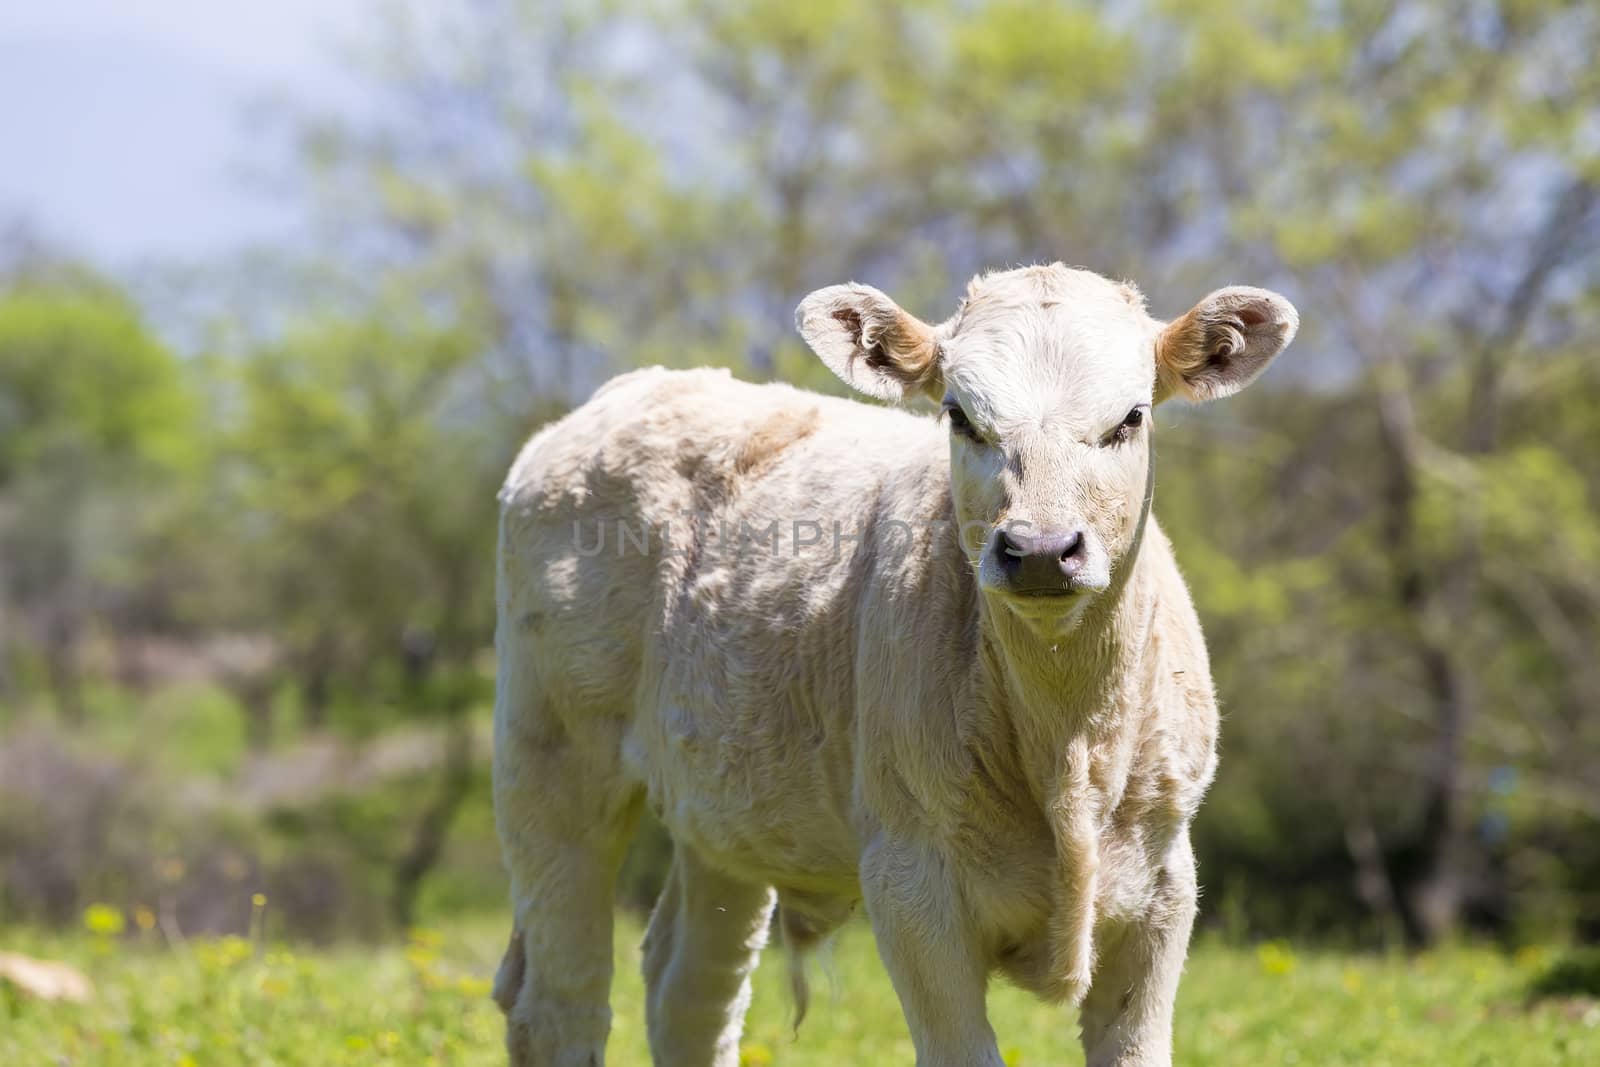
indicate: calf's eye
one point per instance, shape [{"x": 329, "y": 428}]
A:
[
  {"x": 959, "y": 423},
  {"x": 1130, "y": 425}
]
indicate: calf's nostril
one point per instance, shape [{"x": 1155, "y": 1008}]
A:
[
  {"x": 1014, "y": 547},
  {"x": 1073, "y": 546}
]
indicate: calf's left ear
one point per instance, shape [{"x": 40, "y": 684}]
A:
[
  {"x": 870, "y": 342},
  {"x": 1219, "y": 346}
]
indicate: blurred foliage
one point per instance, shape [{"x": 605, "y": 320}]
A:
[
  {"x": 83, "y": 374},
  {"x": 1574, "y": 975},
  {"x": 1394, "y": 540}
]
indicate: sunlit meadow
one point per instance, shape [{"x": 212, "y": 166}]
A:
[{"x": 244, "y": 1001}]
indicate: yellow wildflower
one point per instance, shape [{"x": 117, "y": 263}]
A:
[{"x": 103, "y": 919}]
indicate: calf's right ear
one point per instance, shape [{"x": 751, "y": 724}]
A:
[
  {"x": 870, "y": 342},
  {"x": 1221, "y": 344}
]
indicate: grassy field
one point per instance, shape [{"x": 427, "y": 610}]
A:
[{"x": 224, "y": 1002}]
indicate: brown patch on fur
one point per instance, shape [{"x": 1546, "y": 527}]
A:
[{"x": 772, "y": 437}]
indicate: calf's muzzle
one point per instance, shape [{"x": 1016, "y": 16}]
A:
[{"x": 1040, "y": 564}]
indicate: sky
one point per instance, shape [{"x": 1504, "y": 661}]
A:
[{"x": 123, "y": 123}]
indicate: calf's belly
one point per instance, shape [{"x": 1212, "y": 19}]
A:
[{"x": 757, "y": 805}]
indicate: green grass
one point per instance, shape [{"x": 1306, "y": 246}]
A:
[{"x": 222, "y": 1002}]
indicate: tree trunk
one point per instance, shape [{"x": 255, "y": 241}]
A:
[
  {"x": 1437, "y": 892},
  {"x": 1431, "y": 900},
  {"x": 433, "y": 827},
  {"x": 61, "y": 661},
  {"x": 314, "y": 690},
  {"x": 255, "y": 697},
  {"x": 1373, "y": 883}
]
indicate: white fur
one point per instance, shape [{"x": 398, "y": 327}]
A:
[{"x": 1005, "y": 784}]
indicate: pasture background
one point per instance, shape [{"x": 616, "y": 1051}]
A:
[{"x": 257, "y": 393}]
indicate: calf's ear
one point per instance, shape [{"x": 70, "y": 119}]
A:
[
  {"x": 1218, "y": 346},
  {"x": 870, "y": 342}
]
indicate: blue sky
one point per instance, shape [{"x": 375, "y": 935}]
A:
[{"x": 123, "y": 123}]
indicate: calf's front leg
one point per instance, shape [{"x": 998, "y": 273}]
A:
[
  {"x": 1126, "y": 1018},
  {"x": 930, "y": 949}
]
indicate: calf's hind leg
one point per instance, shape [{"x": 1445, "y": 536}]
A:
[
  {"x": 564, "y": 815},
  {"x": 705, "y": 936}
]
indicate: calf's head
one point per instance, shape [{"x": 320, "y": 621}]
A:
[{"x": 1047, "y": 377}]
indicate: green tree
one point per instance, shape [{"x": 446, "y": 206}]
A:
[
  {"x": 97, "y": 433},
  {"x": 359, "y": 480}
]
